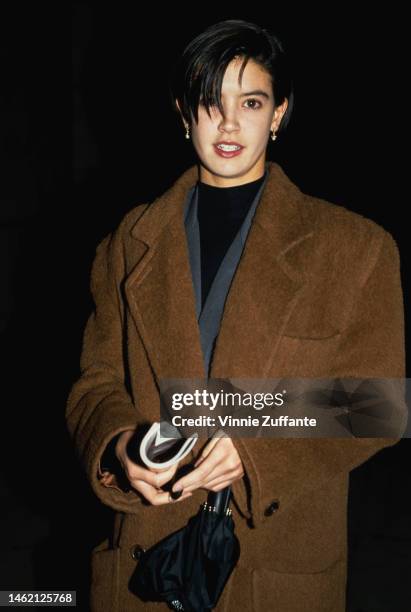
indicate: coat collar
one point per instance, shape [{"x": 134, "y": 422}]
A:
[
  {"x": 264, "y": 291},
  {"x": 280, "y": 212}
]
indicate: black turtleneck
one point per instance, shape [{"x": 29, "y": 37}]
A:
[{"x": 221, "y": 212}]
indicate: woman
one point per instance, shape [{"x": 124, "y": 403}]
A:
[{"x": 316, "y": 293}]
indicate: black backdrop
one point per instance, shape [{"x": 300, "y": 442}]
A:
[{"x": 87, "y": 133}]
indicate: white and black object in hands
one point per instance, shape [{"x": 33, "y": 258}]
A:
[{"x": 162, "y": 447}]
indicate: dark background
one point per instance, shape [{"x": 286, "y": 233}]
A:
[{"x": 88, "y": 133}]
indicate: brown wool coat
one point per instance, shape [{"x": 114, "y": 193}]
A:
[{"x": 317, "y": 293}]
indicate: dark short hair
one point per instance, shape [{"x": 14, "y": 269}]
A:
[{"x": 199, "y": 71}]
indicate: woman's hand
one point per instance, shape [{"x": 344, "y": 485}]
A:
[
  {"x": 218, "y": 466},
  {"x": 148, "y": 482}
]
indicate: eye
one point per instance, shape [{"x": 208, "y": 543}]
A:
[{"x": 254, "y": 100}]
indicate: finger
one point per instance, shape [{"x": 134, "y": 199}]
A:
[
  {"x": 228, "y": 461},
  {"x": 163, "y": 476},
  {"x": 227, "y": 475},
  {"x": 216, "y": 478},
  {"x": 225, "y": 446},
  {"x": 155, "y": 497},
  {"x": 230, "y": 465},
  {"x": 219, "y": 449},
  {"x": 218, "y": 472},
  {"x": 155, "y": 479},
  {"x": 219, "y": 486},
  {"x": 228, "y": 478},
  {"x": 196, "y": 478},
  {"x": 171, "y": 468},
  {"x": 207, "y": 449}
]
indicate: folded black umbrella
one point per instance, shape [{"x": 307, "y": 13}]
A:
[{"x": 189, "y": 568}]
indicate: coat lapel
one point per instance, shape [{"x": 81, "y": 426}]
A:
[
  {"x": 263, "y": 294},
  {"x": 267, "y": 284},
  {"x": 160, "y": 290}
]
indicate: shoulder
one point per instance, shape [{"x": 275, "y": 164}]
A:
[
  {"x": 348, "y": 233},
  {"x": 111, "y": 249},
  {"x": 129, "y": 220},
  {"x": 337, "y": 230},
  {"x": 121, "y": 232},
  {"x": 340, "y": 221}
]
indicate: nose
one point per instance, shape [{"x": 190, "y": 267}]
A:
[{"x": 229, "y": 121}]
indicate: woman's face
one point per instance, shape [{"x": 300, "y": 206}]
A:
[{"x": 248, "y": 119}]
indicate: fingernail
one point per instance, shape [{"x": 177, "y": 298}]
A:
[
  {"x": 176, "y": 494},
  {"x": 177, "y": 487}
]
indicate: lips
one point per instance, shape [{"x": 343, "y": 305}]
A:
[
  {"x": 230, "y": 143},
  {"x": 228, "y": 154}
]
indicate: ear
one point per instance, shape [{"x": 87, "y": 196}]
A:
[{"x": 278, "y": 114}]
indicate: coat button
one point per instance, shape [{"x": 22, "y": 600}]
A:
[
  {"x": 275, "y": 504},
  {"x": 136, "y": 552}
]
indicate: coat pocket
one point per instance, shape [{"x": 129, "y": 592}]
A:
[
  {"x": 298, "y": 592},
  {"x": 104, "y": 578},
  {"x": 304, "y": 356}
]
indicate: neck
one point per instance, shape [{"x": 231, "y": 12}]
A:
[{"x": 214, "y": 180}]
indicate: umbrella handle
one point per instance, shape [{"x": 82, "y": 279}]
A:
[{"x": 220, "y": 499}]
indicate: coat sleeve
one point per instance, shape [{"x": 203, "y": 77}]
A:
[
  {"x": 99, "y": 406},
  {"x": 373, "y": 346}
]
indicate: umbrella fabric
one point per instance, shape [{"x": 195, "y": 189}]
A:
[{"x": 191, "y": 566}]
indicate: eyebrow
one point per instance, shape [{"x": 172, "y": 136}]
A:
[{"x": 256, "y": 92}]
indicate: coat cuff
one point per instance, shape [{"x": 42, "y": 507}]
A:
[
  {"x": 105, "y": 423},
  {"x": 110, "y": 484},
  {"x": 110, "y": 470}
]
